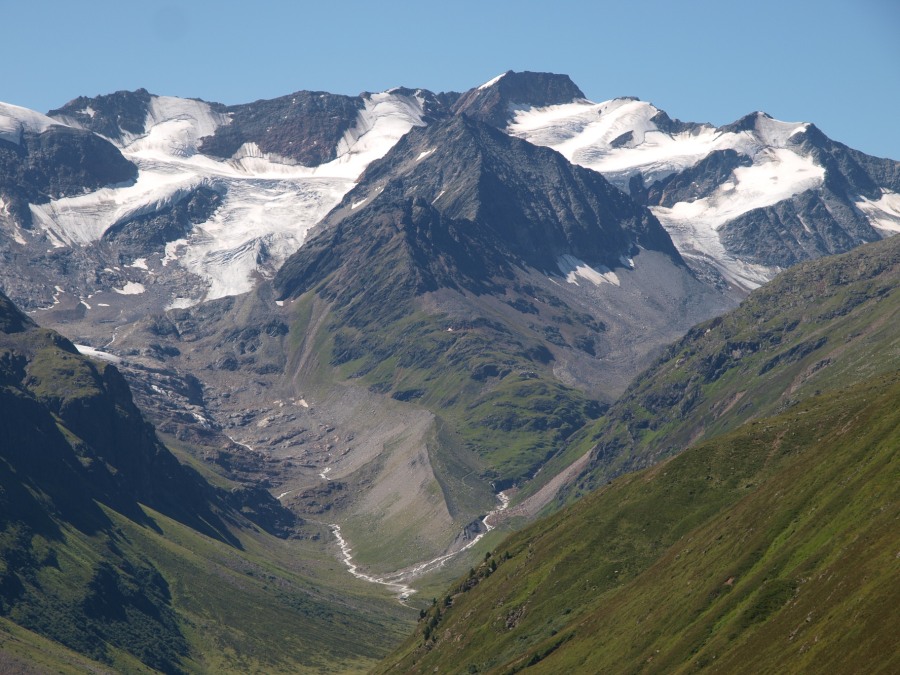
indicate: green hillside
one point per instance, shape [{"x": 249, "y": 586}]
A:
[
  {"x": 769, "y": 549},
  {"x": 111, "y": 549},
  {"x": 769, "y": 545},
  {"x": 820, "y": 325}
]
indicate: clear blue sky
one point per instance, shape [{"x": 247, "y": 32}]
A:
[{"x": 834, "y": 63}]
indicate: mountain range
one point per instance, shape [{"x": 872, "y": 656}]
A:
[
  {"x": 379, "y": 318},
  {"x": 217, "y": 194}
]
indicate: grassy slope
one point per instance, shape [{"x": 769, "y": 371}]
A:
[
  {"x": 257, "y": 610},
  {"x": 770, "y": 549},
  {"x": 822, "y": 324},
  {"x": 251, "y": 609},
  {"x": 490, "y": 386},
  {"x": 85, "y": 567}
]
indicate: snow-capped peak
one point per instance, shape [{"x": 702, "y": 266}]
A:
[
  {"x": 379, "y": 125},
  {"x": 14, "y": 120},
  {"x": 268, "y": 203},
  {"x": 494, "y": 80},
  {"x": 174, "y": 127},
  {"x": 624, "y": 137},
  {"x": 618, "y": 137},
  {"x": 775, "y": 132}
]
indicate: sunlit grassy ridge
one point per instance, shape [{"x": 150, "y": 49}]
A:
[
  {"x": 770, "y": 549},
  {"x": 768, "y": 545},
  {"x": 820, "y": 325}
]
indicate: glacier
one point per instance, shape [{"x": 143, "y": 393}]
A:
[{"x": 269, "y": 203}]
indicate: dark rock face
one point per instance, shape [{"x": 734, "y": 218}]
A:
[
  {"x": 305, "y": 126},
  {"x": 807, "y": 226},
  {"x": 110, "y": 453},
  {"x": 110, "y": 115},
  {"x": 12, "y": 320},
  {"x": 670, "y": 126},
  {"x": 463, "y": 202},
  {"x": 60, "y": 162},
  {"x": 847, "y": 172},
  {"x": 492, "y": 104},
  {"x": 745, "y": 123},
  {"x": 697, "y": 182},
  {"x": 150, "y": 232}
]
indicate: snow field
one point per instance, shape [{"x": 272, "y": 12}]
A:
[
  {"x": 595, "y": 135},
  {"x": 269, "y": 204}
]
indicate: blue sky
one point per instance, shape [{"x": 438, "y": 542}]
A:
[{"x": 834, "y": 63}]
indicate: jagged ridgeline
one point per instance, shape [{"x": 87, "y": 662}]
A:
[
  {"x": 111, "y": 548},
  {"x": 770, "y": 547}
]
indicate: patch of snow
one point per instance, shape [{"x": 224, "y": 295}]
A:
[
  {"x": 243, "y": 445},
  {"x": 584, "y": 133},
  {"x": 131, "y": 288},
  {"x": 697, "y": 241},
  {"x": 18, "y": 238},
  {"x": 14, "y": 120},
  {"x": 182, "y": 303},
  {"x": 423, "y": 155},
  {"x": 884, "y": 213},
  {"x": 777, "y": 174},
  {"x": 385, "y": 118},
  {"x": 139, "y": 263},
  {"x": 263, "y": 221},
  {"x": 251, "y": 160},
  {"x": 490, "y": 83},
  {"x": 97, "y": 354},
  {"x": 355, "y": 205},
  {"x": 775, "y": 132},
  {"x": 174, "y": 127},
  {"x": 59, "y": 291},
  {"x": 83, "y": 219},
  {"x": 17, "y": 232},
  {"x": 200, "y": 418},
  {"x": 574, "y": 269},
  {"x": 172, "y": 250},
  {"x": 269, "y": 202}
]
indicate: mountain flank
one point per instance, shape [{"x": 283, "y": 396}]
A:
[
  {"x": 769, "y": 548},
  {"x": 765, "y": 543},
  {"x": 819, "y": 325},
  {"x": 112, "y": 548}
]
